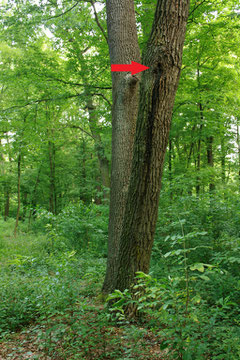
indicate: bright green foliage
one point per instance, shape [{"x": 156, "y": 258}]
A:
[
  {"x": 78, "y": 227},
  {"x": 191, "y": 298},
  {"x": 55, "y": 111}
]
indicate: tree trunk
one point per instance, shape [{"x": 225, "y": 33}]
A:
[
  {"x": 6, "y": 184},
  {"x": 99, "y": 148},
  {"x": 210, "y": 160},
  {"x": 223, "y": 159},
  {"x": 18, "y": 192},
  {"x": 52, "y": 187},
  {"x": 170, "y": 167},
  {"x": 191, "y": 147},
  {"x": 158, "y": 88},
  {"x": 123, "y": 48},
  {"x": 199, "y": 148},
  {"x": 200, "y": 129},
  {"x": 24, "y": 204},
  {"x": 33, "y": 197},
  {"x": 238, "y": 145}
]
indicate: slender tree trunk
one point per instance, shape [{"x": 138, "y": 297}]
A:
[
  {"x": 191, "y": 148},
  {"x": 33, "y": 197},
  {"x": 157, "y": 94},
  {"x": 99, "y": 148},
  {"x": 210, "y": 160},
  {"x": 24, "y": 204},
  {"x": 170, "y": 167},
  {"x": 19, "y": 194},
  {"x": 238, "y": 145},
  {"x": 54, "y": 179},
  {"x": 7, "y": 188},
  {"x": 123, "y": 48},
  {"x": 52, "y": 186},
  {"x": 199, "y": 148},
  {"x": 200, "y": 129},
  {"x": 223, "y": 159}
]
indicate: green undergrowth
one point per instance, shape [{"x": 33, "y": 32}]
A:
[
  {"x": 36, "y": 281},
  {"x": 187, "y": 308},
  {"x": 50, "y": 308}
]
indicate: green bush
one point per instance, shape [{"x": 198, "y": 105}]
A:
[
  {"x": 34, "y": 288},
  {"x": 187, "y": 325},
  {"x": 78, "y": 226}
]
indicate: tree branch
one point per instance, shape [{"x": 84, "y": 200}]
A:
[
  {"x": 104, "y": 97},
  {"x": 194, "y": 9},
  {"x": 38, "y": 101},
  {"x": 77, "y": 84},
  {"x": 80, "y": 128},
  {"x": 97, "y": 20},
  {"x": 63, "y": 13}
]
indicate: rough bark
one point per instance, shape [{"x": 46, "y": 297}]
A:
[
  {"x": 158, "y": 88},
  {"x": 123, "y": 48}
]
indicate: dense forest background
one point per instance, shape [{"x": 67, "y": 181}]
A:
[{"x": 55, "y": 165}]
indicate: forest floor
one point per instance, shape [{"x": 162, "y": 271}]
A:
[
  {"x": 39, "y": 341},
  {"x": 49, "y": 308}
]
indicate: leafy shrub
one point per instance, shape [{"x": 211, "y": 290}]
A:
[
  {"x": 34, "y": 288},
  {"x": 78, "y": 226},
  {"x": 189, "y": 327}
]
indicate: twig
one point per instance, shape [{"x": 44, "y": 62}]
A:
[
  {"x": 80, "y": 128},
  {"x": 97, "y": 20},
  {"x": 63, "y": 13},
  {"x": 195, "y": 8},
  {"x": 38, "y": 101},
  {"x": 104, "y": 97}
]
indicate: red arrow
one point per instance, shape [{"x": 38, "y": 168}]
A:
[{"x": 134, "y": 67}]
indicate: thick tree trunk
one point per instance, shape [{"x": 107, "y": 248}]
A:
[
  {"x": 99, "y": 148},
  {"x": 158, "y": 88},
  {"x": 123, "y": 48},
  {"x": 19, "y": 194}
]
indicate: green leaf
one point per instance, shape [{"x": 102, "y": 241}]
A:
[{"x": 198, "y": 267}]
